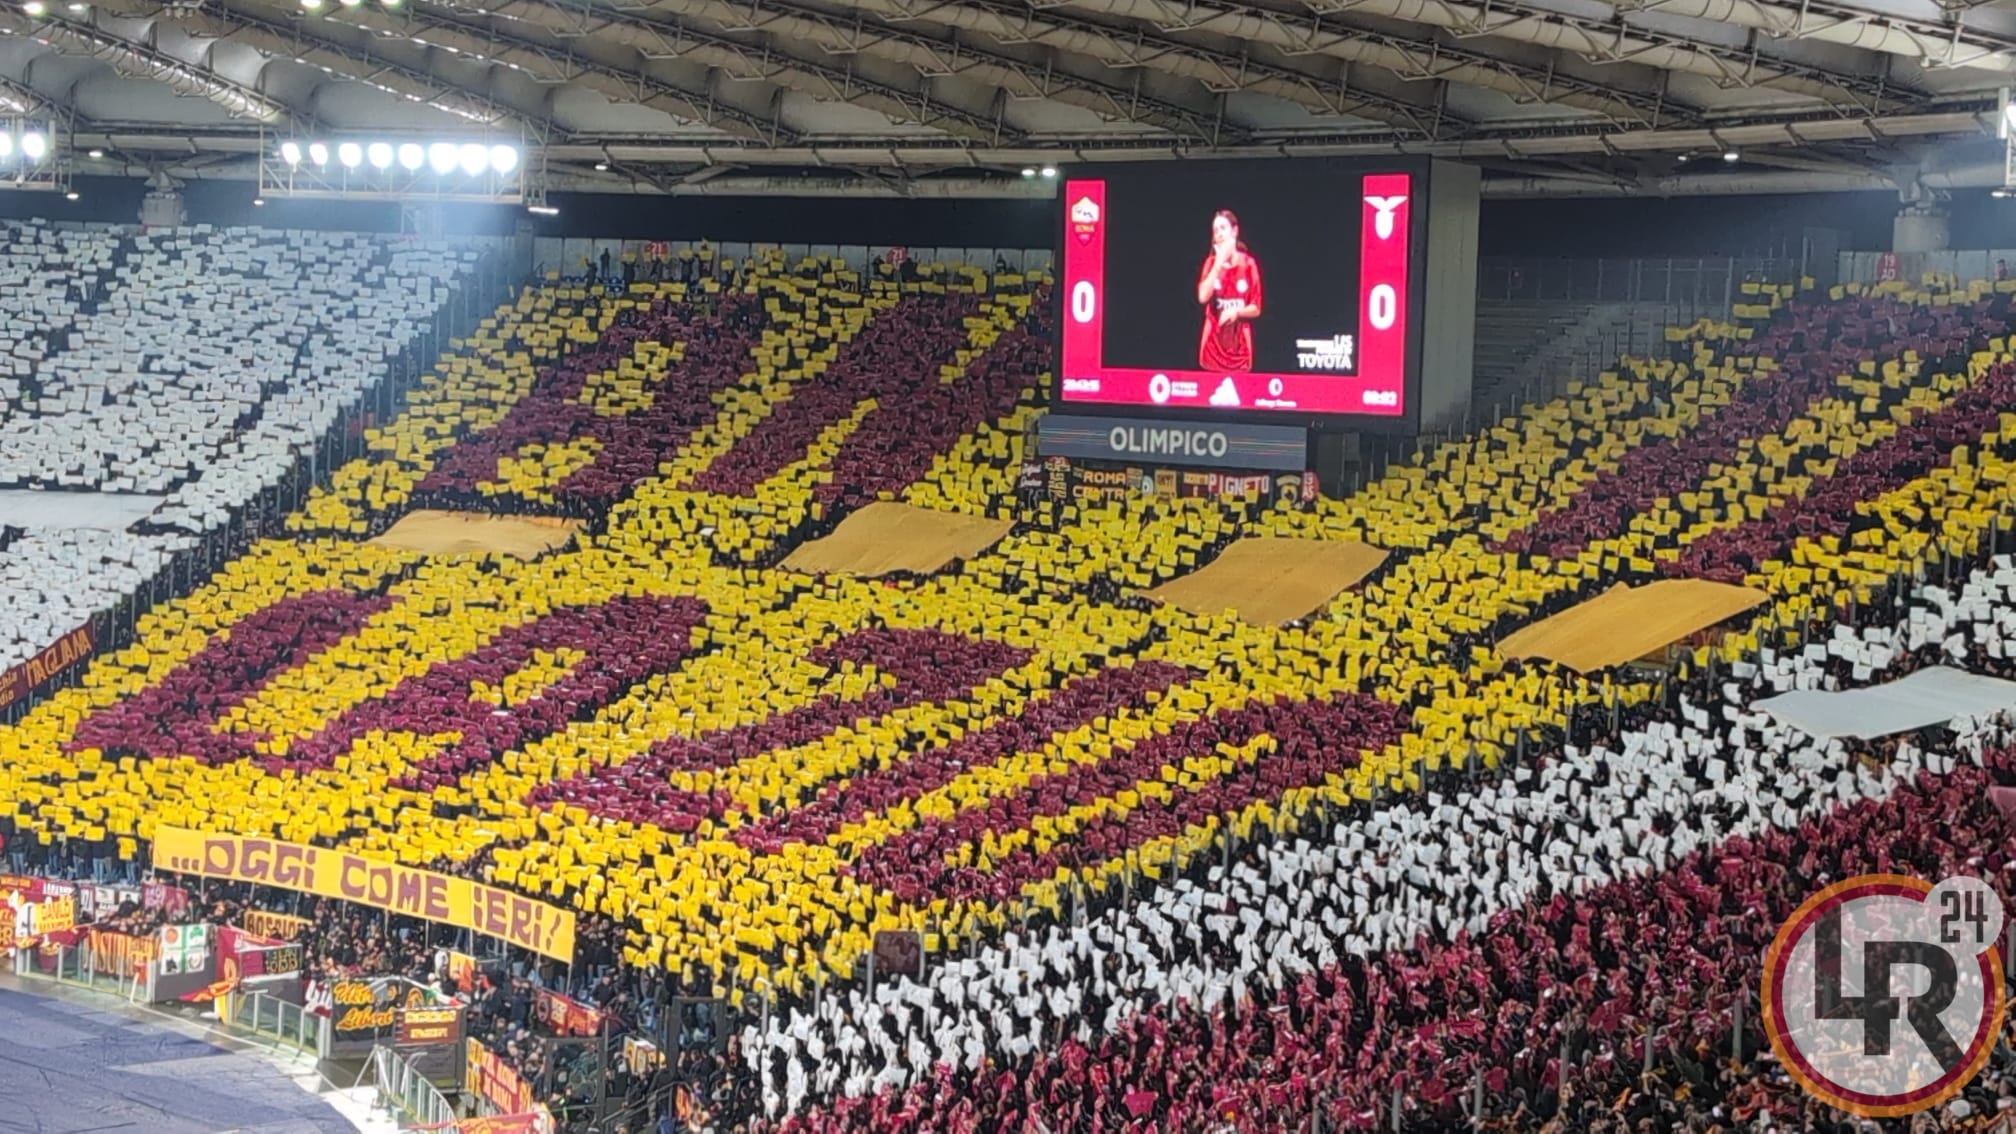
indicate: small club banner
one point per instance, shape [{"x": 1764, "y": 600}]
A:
[
  {"x": 56, "y": 914},
  {"x": 184, "y": 948},
  {"x": 567, "y": 1016},
  {"x": 496, "y": 1081},
  {"x": 437, "y": 1024},
  {"x": 278, "y": 926}
]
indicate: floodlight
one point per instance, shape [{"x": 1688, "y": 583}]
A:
[
  {"x": 411, "y": 157},
  {"x": 350, "y": 154},
  {"x": 290, "y": 152},
  {"x": 442, "y": 157},
  {"x": 318, "y": 153},
  {"x": 380, "y": 154},
  {"x": 475, "y": 158},
  {"x": 34, "y": 145},
  {"x": 503, "y": 158}
]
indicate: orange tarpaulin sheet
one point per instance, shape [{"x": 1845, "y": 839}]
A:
[
  {"x": 885, "y": 537},
  {"x": 1624, "y": 623},
  {"x": 1270, "y": 580},
  {"x": 463, "y": 533}
]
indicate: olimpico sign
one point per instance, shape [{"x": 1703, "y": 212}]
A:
[
  {"x": 1274, "y": 447},
  {"x": 1150, "y": 441}
]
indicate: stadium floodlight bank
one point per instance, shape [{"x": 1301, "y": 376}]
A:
[{"x": 386, "y": 166}]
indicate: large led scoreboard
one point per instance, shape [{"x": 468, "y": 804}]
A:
[{"x": 1262, "y": 289}]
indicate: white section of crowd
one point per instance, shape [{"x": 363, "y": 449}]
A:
[
  {"x": 1417, "y": 868},
  {"x": 213, "y": 357}
]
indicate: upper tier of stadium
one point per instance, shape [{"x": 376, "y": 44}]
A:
[{"x": 748, "y": 771}]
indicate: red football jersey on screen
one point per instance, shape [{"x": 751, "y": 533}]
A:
[{"x": 1229, "y": 348}]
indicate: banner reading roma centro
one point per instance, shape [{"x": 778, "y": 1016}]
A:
[{"x": 529, "y": 924}]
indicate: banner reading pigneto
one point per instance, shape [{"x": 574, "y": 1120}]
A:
[{"x": 529, "y": 924}]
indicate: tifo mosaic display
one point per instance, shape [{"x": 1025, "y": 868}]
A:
[{"x": 755, "y": 771}]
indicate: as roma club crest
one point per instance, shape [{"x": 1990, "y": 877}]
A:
[{"x": 1085, "y": 219}]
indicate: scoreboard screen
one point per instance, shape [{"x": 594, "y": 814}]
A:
[{"x": 1289, "y": 288}]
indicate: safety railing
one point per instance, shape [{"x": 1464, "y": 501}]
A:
[
  {"x": 76, "y": 966},
  {"x": 404, "y": 1091},
  {"x": 1696, "y": 284},
  {"x": 1957, "y": 263},
  {"x": 574, "y": 257},
  {"x": 274, "y": 1021}
]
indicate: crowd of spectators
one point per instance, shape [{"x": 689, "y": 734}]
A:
[{"x": 1530, "y": 933}]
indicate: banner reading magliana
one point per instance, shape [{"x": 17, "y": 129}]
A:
[
  {"x": 529, "y": 924},
  {"x": 30, "y": 675}
]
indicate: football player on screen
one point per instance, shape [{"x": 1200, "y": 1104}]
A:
[{"x": 1229, "y": 288}]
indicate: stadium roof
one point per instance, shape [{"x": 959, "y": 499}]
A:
[{"x": 958, "y": 96}]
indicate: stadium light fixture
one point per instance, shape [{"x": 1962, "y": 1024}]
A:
[
  {"x": 6, "y": 146},
  {"x": 312, "y": 5},
  {"x": 1050, "y": 171},
  {"x": 474, "y": 158},
  {"x": 411, "y": 157},
  {"x": 35, "y": 7},
  {"x": 259, "y": 202},
  {"x": 71, "y": 195},
  {"x": 94, "y": 153},
  {"x": 34, "y": 145},
  {"x": 601, "y": 167},
  {"x": 1731, "y": 156},
  {"x": 503, "y": 159},
  {"x": 380, "y": 154},
  {"x": 350, "y": 154},
  {"x": 290, "y": 152},
  {"x": 442, "y": 157},
  {"x": 318, "y": 153},
  {"x": 1028, "y": 171},
  {"x": 543, "y": 210}
]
